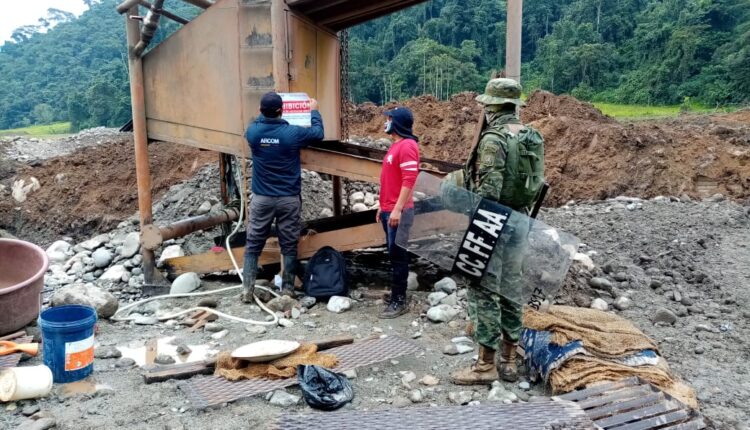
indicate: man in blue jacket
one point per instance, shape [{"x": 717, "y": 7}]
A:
[{"x": 276, "y": 186}]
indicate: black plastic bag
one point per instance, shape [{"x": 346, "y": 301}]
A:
[{"x": 324, "y": 389}]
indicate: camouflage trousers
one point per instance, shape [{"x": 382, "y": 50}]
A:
[{"x": 495, "y": 303}]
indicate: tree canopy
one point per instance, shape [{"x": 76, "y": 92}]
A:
[{"x": 625, "y": 51}]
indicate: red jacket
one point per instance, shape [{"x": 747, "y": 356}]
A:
[{"x": 400, "y": 169}]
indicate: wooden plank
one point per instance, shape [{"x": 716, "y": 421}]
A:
[
  {"x": 582, "y": 394},
  {"x": 14, "y": 335},
  {"x": 365, "y": 236},
  {"x": 337, "y": 164},
  {"x": 614, "y": 408},
  {"x": 360, "y": 237},
  {"x": 658, "y": 421},
  {"x": 155, "y": 373},
  {"x": 620, "y": 395},
  {"x": 639, "y": 414},
  {"x": 695, "y": 424}
]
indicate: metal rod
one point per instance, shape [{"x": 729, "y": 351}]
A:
[
  {"x": 126, "y": 5},
  {"x": 223, "y": 178},
  {"x": 337, "y": 196},
  {"x": 140, "y": 141},
  {"x": 150, "y": 24},
  {"x": 203, "y": 222},
  {"x": 205, "y": 4},
  {"x": 513, "y": 38},
  {"x": 166, "y": 13},
  {"x": 153, "y": 237}
]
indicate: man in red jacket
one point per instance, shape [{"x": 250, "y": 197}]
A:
[{"x": 396, "y": 211}]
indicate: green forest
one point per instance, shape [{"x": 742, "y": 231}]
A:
[{"x": 653, "y": 52}]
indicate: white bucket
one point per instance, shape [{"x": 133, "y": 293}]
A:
[{"x": 19, "y": 383}]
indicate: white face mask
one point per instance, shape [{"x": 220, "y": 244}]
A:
[{"x": 388, "y": 126}]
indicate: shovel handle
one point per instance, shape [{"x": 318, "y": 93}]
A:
[{"x": 7, "y": 347}]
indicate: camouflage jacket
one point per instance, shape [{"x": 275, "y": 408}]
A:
[{"x": 485, "y": 169}]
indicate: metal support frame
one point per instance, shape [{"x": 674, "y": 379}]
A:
[
  {"x": 513, "y": 40},
  {"x": 140, "y": 143}
]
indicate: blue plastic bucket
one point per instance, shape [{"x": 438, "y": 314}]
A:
[{"x": 68, "y": 341}]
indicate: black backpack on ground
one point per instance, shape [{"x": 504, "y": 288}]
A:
[{"x": 325, "y": 275}]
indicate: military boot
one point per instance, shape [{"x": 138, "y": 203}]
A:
[
  {"x": 508, "y": 369},
  {"x": 287, "y": 276},
  {"x": 483, "y": 372},
  {"x": 249, "y": 273}
]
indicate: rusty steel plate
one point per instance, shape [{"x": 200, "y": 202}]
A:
[
  {"x": 11, "y": 360},
  {"x": 633, "y": 404},
  {"x": 489, "y": 416},
  {"x": 211, "y": 391}
]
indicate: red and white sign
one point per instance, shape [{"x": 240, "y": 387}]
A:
[{"x": 296, "y": 109}]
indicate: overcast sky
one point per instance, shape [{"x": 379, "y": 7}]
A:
[{"x": 25, "y": 12}]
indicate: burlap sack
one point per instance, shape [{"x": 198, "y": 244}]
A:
[{"x": 235, "y": 369}]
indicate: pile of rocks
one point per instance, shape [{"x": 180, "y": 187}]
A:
[{"x": 29, "y": 149}]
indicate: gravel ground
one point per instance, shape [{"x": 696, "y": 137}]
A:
[{"x": 697, "y": 249}]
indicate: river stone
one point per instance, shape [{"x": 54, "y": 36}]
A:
[
  {"x": 86, "y": 294},
  {"x": 57, "y": 251},
  {"x": 171, "y": 251},
  {"x": 412, "y": 283},
  {"x": 442, "y": 313},
  {"x": 338, "y": 304},
  {"x": 131, "y": 245},
  {"x": 446, "y": 285},
  {"x": 102, "y": 257},
  {"x": 359, "y": 207},
  {"x": 283, "y": 399},
  {"x": 114, "y": 273},
  {"x": 664, "y": 316},
  {"x": 185, "y": 283},
  {"x": 599, "y": 304},
  {"x": 434, "y": 298}
]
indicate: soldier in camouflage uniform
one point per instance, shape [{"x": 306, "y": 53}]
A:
[{"x": 494, "y": 313}]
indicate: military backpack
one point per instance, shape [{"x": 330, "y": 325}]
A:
[{"x": 524, "y": 166}]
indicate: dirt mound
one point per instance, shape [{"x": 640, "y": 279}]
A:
[
  {"x": 442, "y": 126},
  {"x": 590, "y": 156},
  {"x": 92, "y": 189},
  {"x": 541, "y": 104}
]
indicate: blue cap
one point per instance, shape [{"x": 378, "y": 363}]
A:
[
  {"x": 271, "y": 104},
  {"x": 402, "y": 120}
]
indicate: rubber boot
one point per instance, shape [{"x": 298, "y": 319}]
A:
[
  {"x": 508, "y": 369},
  {"x": 249, "y": 273},
  {"x": 483, "y": 372},
  {"x": 287, "y": 276}
]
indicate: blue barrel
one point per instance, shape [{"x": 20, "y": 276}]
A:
[{"x": 68, "y": 341}]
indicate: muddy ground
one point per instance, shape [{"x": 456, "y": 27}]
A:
[{"x": 686, "y": 253}]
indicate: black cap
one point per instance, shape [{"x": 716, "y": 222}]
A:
[
  {"x": 402, "y": 120},
  {"x": 271, "y": 104}
]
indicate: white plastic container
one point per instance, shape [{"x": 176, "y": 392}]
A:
[
  {"x": 19, "y": 383},
  {"x": 296, "y": 109}
]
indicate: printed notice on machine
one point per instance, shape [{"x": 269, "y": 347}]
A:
[{"x": 296, "y": 110}]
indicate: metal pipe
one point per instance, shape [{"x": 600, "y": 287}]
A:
[
  {"x": 513, "y": 40},
  {"x": 337, "y": 196},
  {"x": 166, "y": 13},
  {"x": 150, "y": 24},
  {"x": 152, "y": 237},
  {"x": 205, "y": 4},
  {"x": 126, "y": 5},
  {"x": 140, "y": 141}
]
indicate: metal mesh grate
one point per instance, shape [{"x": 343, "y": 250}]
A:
[
  {"x": 537, "y": 415},
  {"x": 633, "y": 404},
  {"x": 210, "y": 391},
  {"x": 13, "y": 359}
]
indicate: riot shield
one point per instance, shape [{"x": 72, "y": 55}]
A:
[{"x": 523, "y": 259}]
